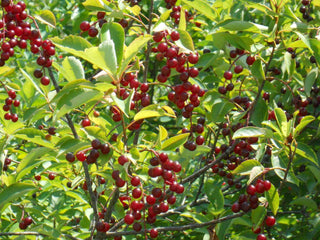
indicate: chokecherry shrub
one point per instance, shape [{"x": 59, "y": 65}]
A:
[{"x": 173, "y": 119}]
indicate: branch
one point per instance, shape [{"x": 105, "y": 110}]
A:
[
  {"x": 84, "y": 164},
  {"x": 178, "y": 228}
]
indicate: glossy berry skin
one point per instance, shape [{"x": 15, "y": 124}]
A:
[
  {"x": 238, "y": 69},
  {"x": 235, "y": 207},
  {"x": 251, "y": 189},
  {"x": 84, "y": 26},
  {"x": 270, "y": 221},
  {"x": 153, "y": 233},
  {"x": 267, "y": 185},
  {"x": 175, "y": 36},
  {"x": 261, "y": 237},
  {"x": 129, "y": 219},
  {"x": 85, "y": 122},
  {"x": 227, "y": 75},
  {"x": 250, "y": 60}
]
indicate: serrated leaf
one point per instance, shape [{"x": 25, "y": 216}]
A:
[
  {"x": 13, "y": 192},
  {"x": 245, "y": 167},
  {"x": 282, "y": 121},
  {"x": 174, "y": 142},
  {"x": 307, "y": 152},
  {"x": 163, "y": 133},
  {"x": 273, "y": 199},
  {"x": 305, "y": 202},
  {"x": 220, "y": 110},
  {"x": 257, "y": 70},
  {"x": 303, "y": 123},
  {"x": 5, "y": 71},
  {"x": 241, "y": 26},
  {"x": 33, "y": 135},
  {"x": 280, "y": 160},
  {"x": 182, "y": 22},
  {"x": 257, "y": 216},
  {"x": 75, "y": 98},
  {"x": 254, "y": 173},
  {"x": 47, "y": 17},
  {"x": 202, "y": 7},
  {"x": 71, "y": 69},
  {"x": 310, "y": 80},
  {"x": 154, "y": 112},
  {"x": 131, "y": 51},
  {"x": 114, "y": 32},
  {"x": 247, "y": 132},
  {"x": 31, "y": 160},
  {"x": 185, "y": 42},
  {"x": 30, "y": 79}
]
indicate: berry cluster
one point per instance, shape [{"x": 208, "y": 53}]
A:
[
  {"x": 9, "y": 102},
  {"x": 305, "y": 10},
  {"x": 198, "y": 129},
  {"x": 25, "y": 222},
  {"x": 175, "y": 14},
  {"x": 158, "y": 200},
  {"x": 236, "y": 53},
  {"x": 94, "y": 152},
  {"x": 250, "y": 201},
  {"x": 181, "y": 63}
]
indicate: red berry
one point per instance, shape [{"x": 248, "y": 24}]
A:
[
  {"x": 235, "y": 207},
  {"x": 122, "y": 160},
  {"x": 81, "y": 156},
  {"x": 175, "y": 36},
  {"x": 45, "y": 80},
  {"x": 227, "y": 75},
  {"x": 153, "y": 233},
  {"x": 52, "y": 176},
  {"x": 270, "y": 221},
  {"x": 251, "y": 189},
  {"x": 238, "y": 69},
  {"x": 261, "y": 237},
  {"x": 135, "y": 181},
  {"x": 93, "y": 32},
  {"x": 250, "y": 60},
  {"x": 85, "y": 122},
  {"x": 193, "y": 58},
  {"x": 129, "y": 219},
  {"x": 267, "y": 185}
]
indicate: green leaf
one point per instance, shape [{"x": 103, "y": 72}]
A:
[
  {"x": 220, "y": 110},
  {"x": 31, "y": 160},
  {"x": 5, "y": 71},
  {"x": 71, "y": 69},
  {"x": 182, "y": 22},
  {"x": 241, "y": 26},
  {"x": 185, "y": 42},
  {"x": 72, "y": 44},
  {"x": 254, "y": 173},
  {"x": 315, "y": 171},
  {"x": 257, "y": 70},
  {"x": 221, "y": 39},
  {"x": 13, "y": 192},
  {"x": 280, "y": 160},
  {"x": 305, "y": 41},
  {"x": 260, "y": 112},
  {"x": 202, "y": 7},
  {"x": 163, "y": 133},
  {"x": 33, "y": 135},
  {"x": 305, "y": 202},
  {"x": 246, "y": 167},
  {"x": 273, "y": 199},
  {"x": 257, "y": 216},
  {"x": 215, "y": 196},
  {"x": 121, "y": 104},
  {"x": 307, "y": 152},
  {"x": 154, "y": 111},
  {"x": 175, "y": 142},
  {"x": 47, "y": 17},
  {"x": 114, "y": 32},
  {"x": 247, "y": 132},
  {"x": 95, "y": 5},
  {"x": 272, "y": 125},
  {"x": 282, "y": 121},
  {"x": 103, "y": 56},
  {"x": 30, "y": 79},
  {"x": 75, "y": 98},
  {"x": 303, "y": 123},
  {"x": 131, "y": 51},
  {"x": 310, "y": 80}
]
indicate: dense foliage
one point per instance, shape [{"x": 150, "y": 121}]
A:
[{"x": 176, "y": 119}]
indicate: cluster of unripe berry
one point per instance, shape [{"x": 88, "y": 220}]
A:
[
  {"x": 94, "y": 152},
  {"x": 236, "y": 53},
  {"x": 9, "y": 102},
  {"x": 25, "y": 222}
]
